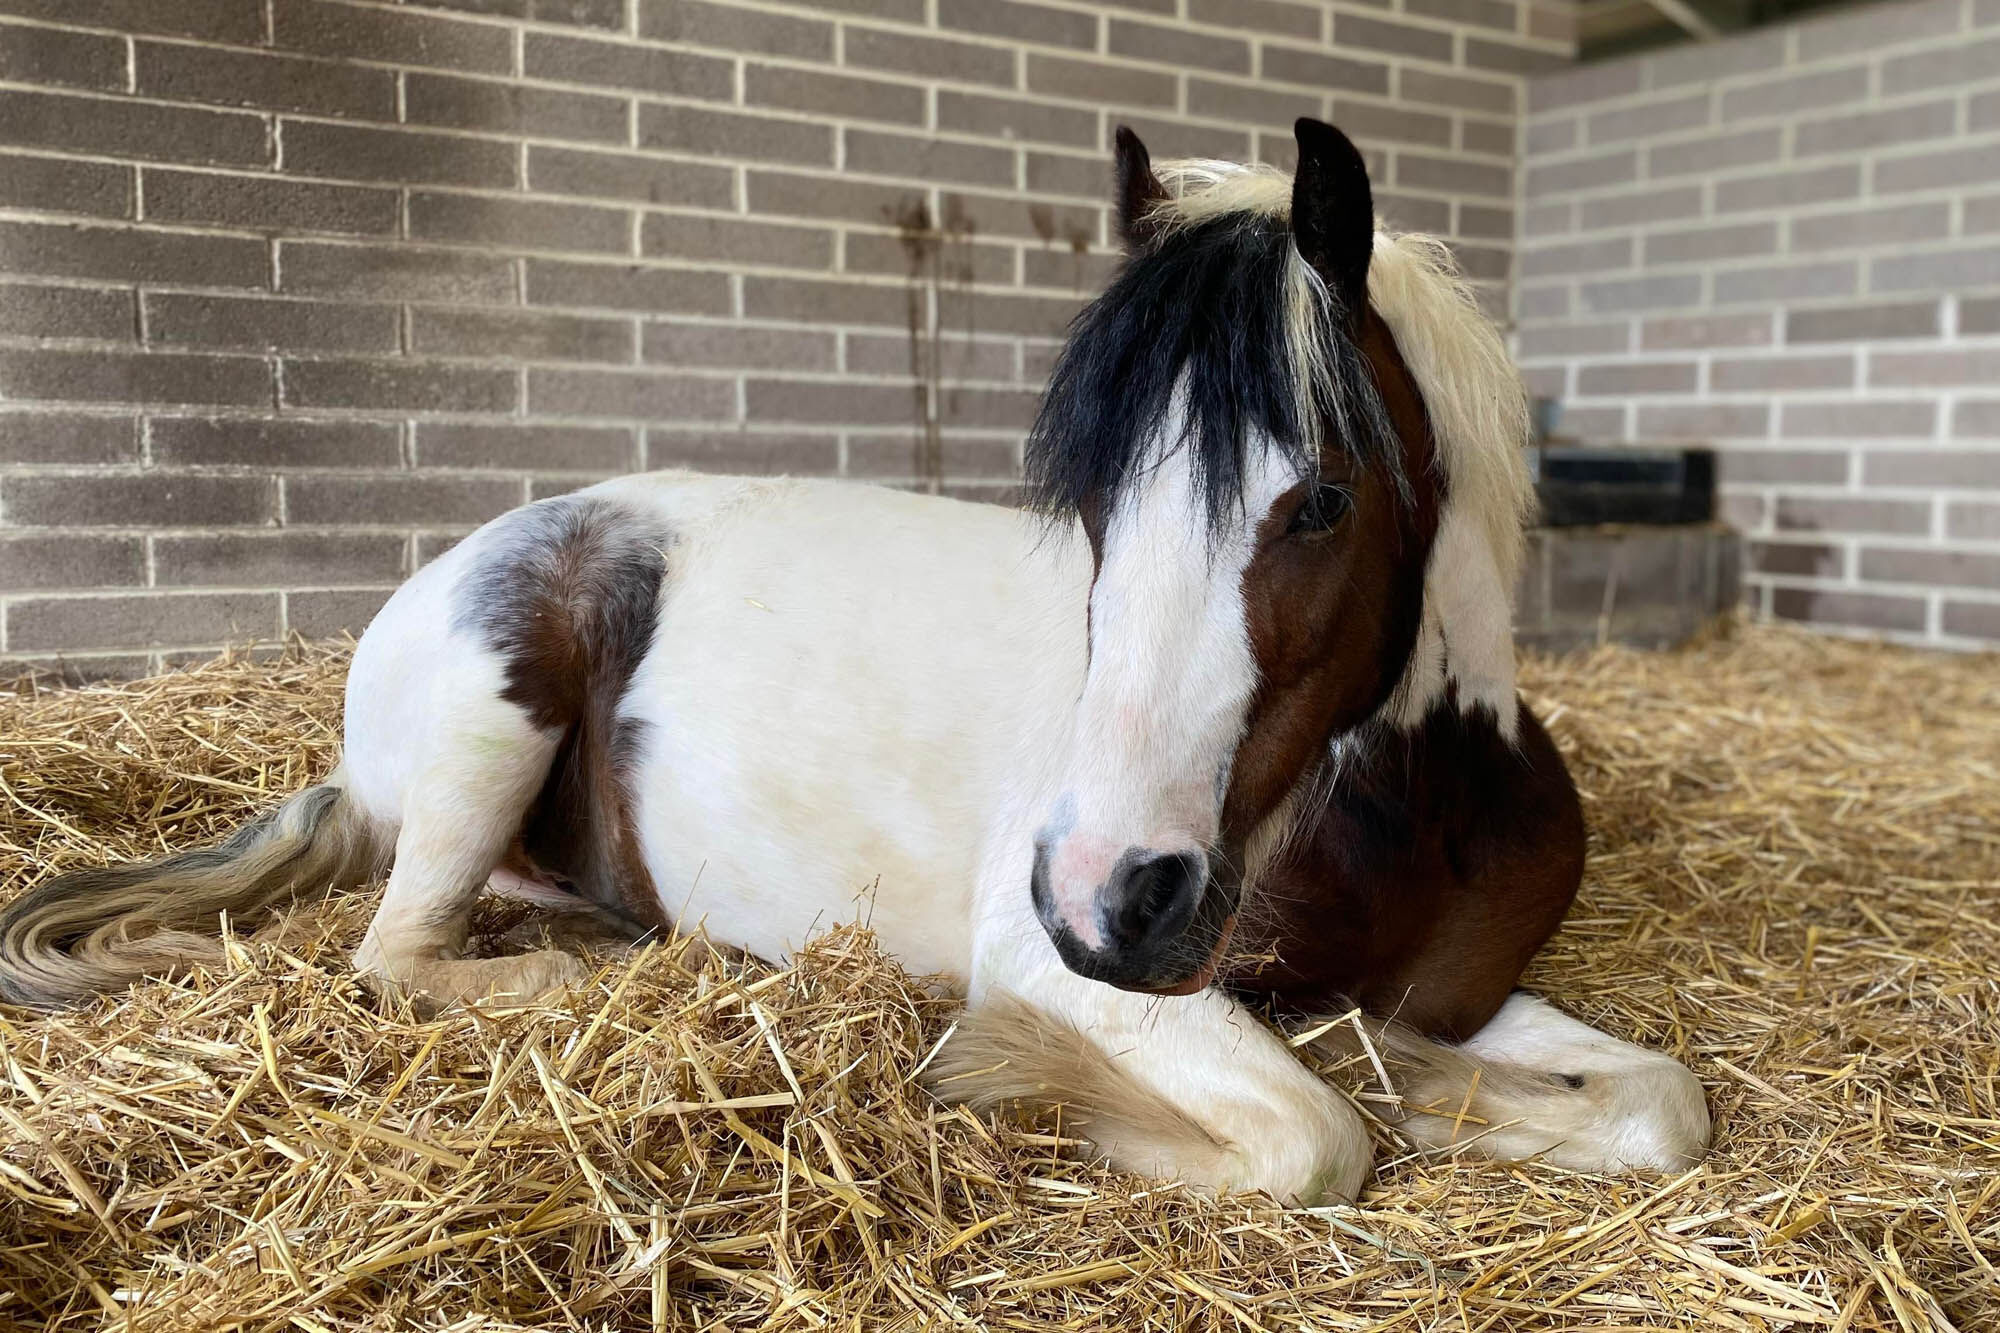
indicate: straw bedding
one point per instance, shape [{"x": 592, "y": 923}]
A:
[{"x": 1795, "y": 885}]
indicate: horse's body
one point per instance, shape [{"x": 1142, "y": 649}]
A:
[{"x": 1241, "y": 722}]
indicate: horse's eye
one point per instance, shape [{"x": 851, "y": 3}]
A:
[{"x": 1322, "y": 511}]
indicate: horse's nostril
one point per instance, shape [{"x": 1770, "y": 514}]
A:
[{"x": 1150, "y": 899}]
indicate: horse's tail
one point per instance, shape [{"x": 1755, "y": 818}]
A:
[{"x": 92, "y": 931}]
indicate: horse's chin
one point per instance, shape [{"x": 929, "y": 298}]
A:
[{"x": 1200, "y": 979}]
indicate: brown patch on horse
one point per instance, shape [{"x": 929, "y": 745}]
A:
[
  {"x": 1332, "y": 620},
  {"x": 568, "y": 599}
]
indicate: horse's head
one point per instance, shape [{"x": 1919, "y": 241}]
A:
[{"x": 1270, "y": 467}]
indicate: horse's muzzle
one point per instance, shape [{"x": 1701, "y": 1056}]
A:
[{"x": 1163, "y": 920}]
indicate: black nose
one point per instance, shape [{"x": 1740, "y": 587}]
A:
[{"x": 1148, "y": 900}]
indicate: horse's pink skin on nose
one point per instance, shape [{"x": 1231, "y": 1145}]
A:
[{"x": 1081, "y": 864}]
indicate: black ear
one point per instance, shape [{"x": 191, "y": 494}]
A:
[
  {"x": 1139, "y": 191},
  {"x": 1333, "y": 212}
]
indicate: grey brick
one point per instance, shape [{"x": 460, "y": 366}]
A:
[
  {"x": 1315, "y": 69},
  {"x": 1936, "y": 367},
  {"x": 1371, "y": 122},
  {"x": 892, "y": 456},
  {"x": 1596, "y": 424},
  {"x": 1009, "y": 215},
  {"x": 1982, "y": 215},
  {"x": 1876, "y": 129},
  {"x": 1977, "y": 522},
  {"x": 1549, "y": 302},
  {"x": 959, "y": 360},
  {"x": 1714, "y": 152},
  {"x": 1650, "y": 293},
  {"x": 253, "y": 323},
  {"x": 1070, "y": 270},
  {"x": 1415, "y": 212},
  {"x": 1857, "y": 609},
  {"x": 1983, "y": 111},
  {"x": 1594, "y": 256},
  {"x": 1180, "y": 138},
  {"x": 1648, "y": 120},
  {"x": 614, "y": 64},
  {"x": 825, "y": 302},
  {"x": 1427, "y": 88},
  {"x": 1783, "y": 466},
  {"x": 42, "y": 436},
  {"x": 1040, "y": 24},
  {"x": 64, "y": 59},
  {"x": 1826, "y": 513},
  {"x": 441, "y": 444},
  {"x": 261, "y": 80},
  {"x": 358, "y": 152},
  {"x": 1592, "y": 83},
  {"x": 828, "y": 401},
  {"x": 627, "y": 287},
  {"x": 1483, "y": 136},
  {"x": 1007, "y": 118},
  {"x": 1787, "y": 189},
  {"x": 1702, "y": 422},
  {"x": 520, "y": 335},
  {"x": 1974, "y": 620},
  {"x": 1179, "y": 47},
  {"x": 140, "y": 620},
  {"x": 399, "y": 386},
  {"x": 1976, "y": 418},
  {"x": 54, "y": 185},
  {"x": 1626, "y": 210},
  {"x": 1459, "y": 175},
  {"x": 685, "y": 129},
  {"x": 394, "y": 36},
  {"x": 1513, "y": 57},
  {"x": 1798, "y": 559},
  {"x": 1705, "y": 62},
  {"x": 1785, "y": 282},
  {"x": 932, "y": 57},
  {"x": 1947, "y": 569},
  {"x": 1584, "y": 173},
  {"x": 1552, "y": 135},
  {"x": 797, "y": 195},
  {"x": 264, "y": 442},
  {"x": 261, "y": 203},
  {"x": 744, "y": 451},
  {"x": 1953, "y": 168},
  {"x": 320, "y": 613},
  {"x": 736, "y": 29},
  {"x": 1940, "y": 270},
  {"x": 330, "y": 498},
  {"x": 133, "y": 129},
  {"x": 1873, "y": 28},
  {"x": 1099, "y": 81},
  {"x": 955, "y": 261},
  {"x": 1566, "y": 340},
  {"x": 632, "y": 176},
  {"x": 1978, "y": 468},
  {"x": 492, "y": 107},
  {"x": 1798, "y": 92},
  {"x": 763, "y": 243},
  {"x": 1979, "y": 316},
  {"x": 1256, "y": 104},
  {"x": 1498, "y": 14},
  {"x": 316, "y": 268},
  {"x": 123, "y": 377},
  {"x": 151, "y": 500},
  {"x": 1781, "y": 372},
  {"x": 1861, "y": 228},
  {"x": 1637, "y": 377},
  {"x": 740, "y": 347},
  {"x": 1745, "y": 513},
  {"x": 261, "y": 559},
  {"x": 1852, "y": 421},
  {"x": 1706, "y": 331},
  {"x": 33, "y": 310},
  {"x": 126, "y": 255},
  {"x": 1487, "y": 223},
  {"x": 1061, "y": 173},
  {"x": 882, "y": 153},
  {"x": 239, "y": 21},
  {"x": 576, "y": 13},
  {"x": 1030, "y": 315},
  {"x": 489, "y": 220},
  {"x": 1916, "y": 319},
  {"x": 1358, "y": 30},
  {"x": 832, "y": 94},
  {"x": 654, "y": 395},
  {"x": 33, "y": 562},
  {"x": 1696, "y": 244},
  {"x": 1296, "y": 20}
]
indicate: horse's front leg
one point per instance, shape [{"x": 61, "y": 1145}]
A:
[{"x": 1192, "y": 1088}]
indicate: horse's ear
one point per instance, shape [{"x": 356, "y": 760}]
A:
[
  {"x": 1333, "y": 212},
  {"x": 1139, "y": 192}
]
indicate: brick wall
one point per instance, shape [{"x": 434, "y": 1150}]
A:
[
  {"x": 293, "y": 292},
  {"x": 1788, "y": 244}
]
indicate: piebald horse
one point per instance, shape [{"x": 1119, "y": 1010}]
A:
[{"x": 1232, "y": 722}]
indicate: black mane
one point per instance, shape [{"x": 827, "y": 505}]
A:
[{"x": 1205, "y": 306}]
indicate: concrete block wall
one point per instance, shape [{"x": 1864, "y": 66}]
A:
[
  {"x": 1788, "y": 244},
  {"x": 293, "y": 292}
]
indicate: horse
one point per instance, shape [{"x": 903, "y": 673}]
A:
[{"x": 1222, "y": 725}]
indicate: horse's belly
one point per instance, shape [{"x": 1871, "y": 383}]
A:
[{"x": 854, "y": 709}]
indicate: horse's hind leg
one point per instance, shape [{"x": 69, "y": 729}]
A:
[{"x": 483, "y": 763}]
